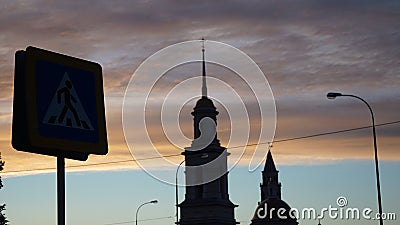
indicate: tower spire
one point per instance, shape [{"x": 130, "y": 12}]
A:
[
  {"x": 204, "y": 84},
  {"x": 270, "y": 187},
  {"x": 269, "y": 163}
]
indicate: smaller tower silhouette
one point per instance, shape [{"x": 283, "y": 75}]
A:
[
  {"x": 270, "y": 187},
  {"x": 272, "y": 209}
]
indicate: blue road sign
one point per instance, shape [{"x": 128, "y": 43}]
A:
[
  {"x": 64, "y": 101},
  {"x": 58, "y": 105},
  {"x": 65, "y": 108}
]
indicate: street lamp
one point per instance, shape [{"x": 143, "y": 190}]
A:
[
  {"x": 137, "y": 210},
  {"x": 203, "y": 156},
  {"x": 176, "y": 191},
  {"x": 333, "y": 95}
]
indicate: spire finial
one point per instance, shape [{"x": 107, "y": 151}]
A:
[
  {"x": 204, "y": 84},
  {"x": 202, "y": 44},
  {"x": 269, "y": 163}
]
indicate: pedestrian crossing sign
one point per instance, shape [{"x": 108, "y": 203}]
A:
[
  {"x": 66, "y": 109},
  {"x": 58, "y": 105}
]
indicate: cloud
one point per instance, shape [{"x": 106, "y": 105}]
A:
[{"x": 305, "y": 48}]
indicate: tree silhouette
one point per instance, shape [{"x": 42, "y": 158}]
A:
[{"x": 3, "y": 219}]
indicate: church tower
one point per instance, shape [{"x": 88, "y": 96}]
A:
[
  {"x": 270, "y": 186},
  {"x": 271, "y": 202},
  {"x": 206, "y": 198}
]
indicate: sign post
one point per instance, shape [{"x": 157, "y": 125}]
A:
[
  {"x": 58, "y": 110},
  {"x": 61, "y": 190}
]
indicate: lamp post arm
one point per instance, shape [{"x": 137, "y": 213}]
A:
[
  {"x": 378, "y": 185},
  {"x": 137, "y": 211},
  {"x": 369, "y": 107},
  {"x": 176, "y": 191}
]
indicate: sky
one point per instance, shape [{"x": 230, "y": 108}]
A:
[{"x": 304, "y": 48}]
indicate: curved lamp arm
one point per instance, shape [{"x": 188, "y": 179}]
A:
[
  {"x": 333, "y": 95},
  {"x": 176, "y": 191},
  {"x": 137, "y": 210}
]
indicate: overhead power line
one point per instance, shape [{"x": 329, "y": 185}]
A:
[
  {"x": 142, "y": 220},
  {"x": 97, "y": 164},
  {"x": 317, "y": 135},
  {"x": 233, "y": 147}
]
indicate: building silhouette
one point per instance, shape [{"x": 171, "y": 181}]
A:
[
  {"x": 267, "y": 211},
  {"x": 206, "y": 199}
]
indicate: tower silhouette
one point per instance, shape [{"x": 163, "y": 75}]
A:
[
  {"x": 271, "y": 202},
  {"x": 270, "y": 187},
  {"x": 206, "y": 198}
]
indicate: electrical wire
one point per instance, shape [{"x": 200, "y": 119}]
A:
[
  {"x": 233, "y": 147},
  {"x": 142, "y": 220},
  {"x": 175, "y": 155}
]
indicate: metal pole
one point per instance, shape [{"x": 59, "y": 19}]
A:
[
  {"x": 137, "y": 210},
  {"x": 176, "y": 192},
  {"x": 61, "y": 190},
  {"x": 378, "y": 183}
]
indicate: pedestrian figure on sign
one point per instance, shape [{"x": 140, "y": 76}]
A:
[{"x": 67, "y": 103}]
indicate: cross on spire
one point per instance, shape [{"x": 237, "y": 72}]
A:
[{"x": 204, "y": 84}]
